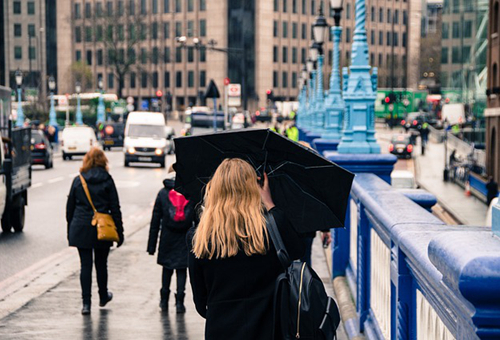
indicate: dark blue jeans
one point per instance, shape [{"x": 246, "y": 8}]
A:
[{"x": 101, "y": 268}]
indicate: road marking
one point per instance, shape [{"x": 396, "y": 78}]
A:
[
  {"x": 37, "y": 185},
  {"x": 73, "y": 175},
  {"x": 55, "y": 180}
]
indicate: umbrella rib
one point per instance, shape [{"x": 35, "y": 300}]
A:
[{"x": 303, "y": 166}]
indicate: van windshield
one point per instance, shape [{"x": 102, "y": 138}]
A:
[{"x": 151, "y": 131}]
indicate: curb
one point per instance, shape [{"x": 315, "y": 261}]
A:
[
  {"x": 347, "y": 309},
  {"x": 32, "y": 282}
]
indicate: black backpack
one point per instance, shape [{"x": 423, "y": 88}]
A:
[{"x": 302, "y": 309}]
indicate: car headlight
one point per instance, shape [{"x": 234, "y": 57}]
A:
[
  {"x": 131, "y": 150},
  {"x": 158, "y": 152}
]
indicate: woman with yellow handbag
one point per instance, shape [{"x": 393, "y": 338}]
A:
[{"x": 94, "y": 222}]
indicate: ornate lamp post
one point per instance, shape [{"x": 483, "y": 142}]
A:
[
  {"x": 320, "y": 28},
  {"x": 302, "y": 95},
  {"x": 52, "y": 112},
  {"x": 311, "y": 92},
  {"x": 101, "y": 115},
  {"x": 78, "y": 89},
  {"x": 334, "y": 103},
  {"x": 20, "y": 113}
]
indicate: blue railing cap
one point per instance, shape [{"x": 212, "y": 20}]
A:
[
  {"x": 421, "y": 197},
  {"x": 383, "y": 159},
  {"x": 470, "y": 263}
]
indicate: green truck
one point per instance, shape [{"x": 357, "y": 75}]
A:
[{"x": 404, "y": 101}]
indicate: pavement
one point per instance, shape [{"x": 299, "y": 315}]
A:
[{"x": 53, "y": 312}]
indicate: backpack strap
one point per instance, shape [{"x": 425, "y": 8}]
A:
[
  {"x": 87, "y": 192},
  {"x": 272, "y": 228}
]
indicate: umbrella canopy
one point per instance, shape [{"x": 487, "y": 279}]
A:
[{"x": 310, "y": 189}]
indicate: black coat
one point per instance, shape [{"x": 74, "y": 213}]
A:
[
  {"x": 79, "y": 213},
  {"x": 235, "y": 294},
  {"x": 172, "y": 252}
]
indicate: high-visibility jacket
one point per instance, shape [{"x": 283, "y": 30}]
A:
[{"x": 293, "y": 133}]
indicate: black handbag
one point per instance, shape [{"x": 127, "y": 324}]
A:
[{"x": 302, "y": 309}]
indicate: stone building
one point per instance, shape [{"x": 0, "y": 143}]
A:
[
  {"x": 492, "y": 113},
  {"x": 430, "y": 46},
  {"x": 260, "y": 44}
]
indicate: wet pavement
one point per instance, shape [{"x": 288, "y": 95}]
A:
[{"x": 135, "y": 280}]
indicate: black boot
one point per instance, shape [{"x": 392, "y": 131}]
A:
[
  {"x": 105, "y": 299},
  {"x": 179, "y": 303},
  {"x": 164, "y": 294},
  {"x": 86, "y": 308}
]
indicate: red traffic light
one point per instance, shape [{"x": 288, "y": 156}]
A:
[
  {"x": 387, "y": 100},
  {"x": 159, "y": 93},
  {"x": 269, "y": 92}
]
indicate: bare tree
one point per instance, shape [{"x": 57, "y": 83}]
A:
[{"x": 82, "y": 73}]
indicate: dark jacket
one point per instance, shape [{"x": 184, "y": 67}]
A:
[
  {"x": 172, "y": 252},
  {"x": 235, "y": 294},
  {"x": 79, "y": 213}
]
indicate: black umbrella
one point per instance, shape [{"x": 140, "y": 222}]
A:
[{"x": 312, "y": 190}]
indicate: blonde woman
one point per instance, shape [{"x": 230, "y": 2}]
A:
[{"x": 233, "y": 264}]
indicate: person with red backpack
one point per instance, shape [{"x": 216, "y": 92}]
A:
[{"x": 173, "y": 216}]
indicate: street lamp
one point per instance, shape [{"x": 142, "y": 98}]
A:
[
  {"x": 78, "y": 89},
  {"x": 20, "y": 113},
  {"x": 52, "y": 112},
  {"x": 337, "y": 6},
  {"x": 101, "y": 117}
]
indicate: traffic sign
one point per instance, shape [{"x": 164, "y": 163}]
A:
[
  {"x": 391, "y": 107},
  {"x": 234, "y": 90},
  {"x": 130, "y": 107},
  {"x": 130, "y": 100},
  {"x": 406, "y": 102},
  {"x": 227, "y": 81},
  {"x": 159, "y": 93}
]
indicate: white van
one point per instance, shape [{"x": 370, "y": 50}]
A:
[
  {"x": 77, "y": 141},
  {"x": 145, "y": 138},
  {"x": 453, "y": 114}
]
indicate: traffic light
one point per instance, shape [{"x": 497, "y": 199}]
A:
[
  {"x": 390, "y": 98},
  {"x": 269, "y": 94}
]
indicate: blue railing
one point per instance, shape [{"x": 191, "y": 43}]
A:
[{"x": 410, "y": 275}]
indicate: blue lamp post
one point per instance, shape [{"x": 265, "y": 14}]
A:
[
  {"x": 20, "y": 113},
  {"x": 334, "y": 103},
  {"x": 101, "y": 115},
  {"x": 52, "y": 112},
  {"x": 312, "y": 93},
  {"x": 360, "y": 94},
  {"x": 78, "y": 89}
]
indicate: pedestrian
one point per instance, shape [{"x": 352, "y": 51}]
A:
[
  {"x": 491, "y": 190},
  {"x": 292, "y": 132},
  {"x": 82, "y": 234},
  {"x": 233, "y": 264},
  {"x": 172, "y": 217}
]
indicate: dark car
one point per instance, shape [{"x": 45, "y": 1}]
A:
[
  {"x": 41, "y": 150},
  {"x": 414, "y": 121},
  {"x": 401, "y": 146},
  {"x": 112, "y": 135}
]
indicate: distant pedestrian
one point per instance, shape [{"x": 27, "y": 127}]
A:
[
  {"x": 233, "y": 265},
  {"x": 292, "y": 132},
  {"x": 82, "y": 234},
  {"x": 172, "y": 218},
  {"x": 491, "y": 190}
]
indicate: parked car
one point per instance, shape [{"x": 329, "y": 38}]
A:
[
  {"x": 264, "y": 115},
  {"x": 112, "y": 135},
  {"x": 41, "y": 150},
  {"x": 401, "y": 146},
  {"x": 413, "y": 120},
  {"x": 77, "y": 141}
]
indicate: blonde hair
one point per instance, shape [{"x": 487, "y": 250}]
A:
[{"x": 233, "y": 214}]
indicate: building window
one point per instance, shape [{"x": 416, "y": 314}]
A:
[
  {"x": 294, "y": 55},
  {"x": 389, "y": 19},
  {"x": 88, "y": 10},
  {"x": 444, "y": 55},
  {"x": 294, "y": 30},
  {"x": 313, "y": 7},
  {"x": 144, "y": 32},
  {"x": 445, "y": 30},
  {"x": 32, "y": 53},
  {"x": 89, "y": 57},
  {"x": 203, "y": 5},
  {"x": 203, "y": 54},
  {"x": 178, "y": 54},
  {"x": 190, "y": 53},
  {"x": 294, "y": 80},
  {"x": 275, "y": 79},
  {"x": 285, "y": 6},
  {"x": 99, "y": 57},
  {"x": 388, "y": 39},
  {"x": 396, "y": 16},
  {"x": 456, "y": 30},
  {"x": 178, "y": 28},
  {"x": 17, "y": 30},
  {"x": 495, "y": 17},
  {"x": 404, "y": 39},
  {"x": 381, "y": 38},
  {"x": 294, "y": 6},
  {"x": 380, "y": 15},
  {"x": 405, "y": 18},
  {"x": 154, "y": 7},
  {"x": 276, "y": 6},
  {"x": 285, "y": 54},
  {"x": 131, "y": 7},
  {"x": 98, "y": 33},
  {"x": 348, "y": 11},
  {"x": 78, "y": 12},
  {"x": 190, "y": 28},
  {"x": 166, "y": 79},
  {"x": 203, "y": 79},
  {"x": 178, "y": 6},
  {"x": 143, "y": 7},
  {"x": 17, "y": 7},
  {"x": 456, "y": 57},
  {"x": 190, "y": 5},
  {"x": 372, "y": 37},
  {"x": 78, "y": 34},
  {"x": 275, "y": 28},
  {"x": 303, "y": 55},
  {"x": 88, "y": 34},
  {"x": 166, "y": 6},
  {"x": 131, "y": 55},
  {"x": 155, "y": 55},
  {"x": 395, "y": 39},
  {"x": 154, "y": 30},
  {"x": 109, "y": 6},
  {"x": 466, "y": 54},
  {"x": 348, "y": 35},
  {"x": 467, "y": 29},
  {"x": 304, "y": 7},
  {"x": 78, "y": 55},
  {"x": 285, "y": 80},
  {"x": 144, "y": 56},
  {"x": 285, "y": 29},
  {"x": 275, "y": 54},
  {"x": 372, "y": 14},
  {"x": 166, "y": 30},
  {"x": 121, "y": 9},
  {"x": 31, "y": 30},
  {"x": 154, "y": 79},
  {"x": 203, "y": 28},
  {"x": 380, "y": 60},
  {"x": 303, "y": 33},
  {"x": 132, "y": 80},
  {"x": 190, "y": 79},
  {"x": 178, "y": 79},
  {"x": 31, "y": 7},
  {"x": 166, "y": 55},
  {"x": 144, "y": 80}
]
